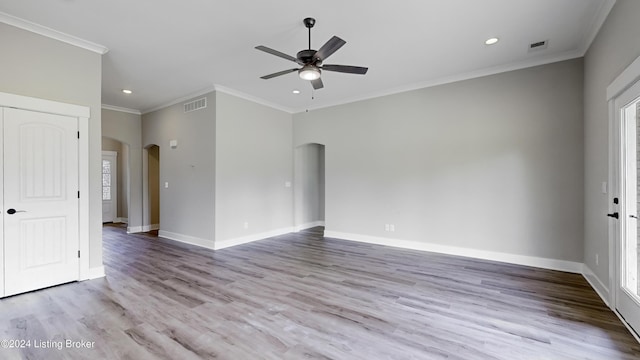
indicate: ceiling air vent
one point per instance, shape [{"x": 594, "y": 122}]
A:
[
  {"x": 538, "y": 45},
  {"x": 195, "y": 105}
]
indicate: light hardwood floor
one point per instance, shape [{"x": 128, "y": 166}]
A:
[{"x": 301, "y": 296}]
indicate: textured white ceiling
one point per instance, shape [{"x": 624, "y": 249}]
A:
[{"x": 165, "y": 50}]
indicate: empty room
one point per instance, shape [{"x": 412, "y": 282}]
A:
[{"x": 337, "y": 180}]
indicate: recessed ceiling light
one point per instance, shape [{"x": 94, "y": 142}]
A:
[
  {"x": 127, "y": 91},
  {"x": 491, "y": 41},
  {"x": 296, "y": 91}
]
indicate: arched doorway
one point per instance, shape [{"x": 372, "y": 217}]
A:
[{"x": 151, "y": 191}]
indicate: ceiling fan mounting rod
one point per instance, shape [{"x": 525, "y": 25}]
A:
[{"x": 309, "y": 22}]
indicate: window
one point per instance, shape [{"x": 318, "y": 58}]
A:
[{"x": 106, "y": 180}]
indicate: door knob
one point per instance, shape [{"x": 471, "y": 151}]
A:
[
  {"x": 633, "y": 216},
  {"x": 614, "y": 215},
  {"x": 13, "y": 211}
]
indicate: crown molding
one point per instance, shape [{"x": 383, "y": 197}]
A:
[
  {"x": 51, "y": 33},
  {"x": 221, "y": 89},
  {"x": 596, "y": 23},
  {"x": 410, "y": 87},
  {"x": 121, "y": 109},
  {"x": 452, "y": 79},
  {"x": 252, "y": 98}
]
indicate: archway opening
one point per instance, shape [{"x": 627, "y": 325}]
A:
[
  {"x": 310, "y": 186},
  {"x": 151, "y": 216}
]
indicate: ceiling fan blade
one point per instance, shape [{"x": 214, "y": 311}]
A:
[
  {"x": 284, "y": 72},
  {"x": 346, "y": 69},
  {"x": 276, "y": 53},
  {"x": 317, "y": 84},
  {"x": 329, "y": 48}
]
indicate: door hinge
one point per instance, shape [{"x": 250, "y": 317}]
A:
[
  {"x": 78, "y": 254},
  {"x": 78, "y": 194},
  {"x": 78, "y": 134}
]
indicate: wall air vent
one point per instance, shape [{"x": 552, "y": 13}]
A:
[
  {"x": 195, "y": 105},
  {"x": 538, "y": 45}
]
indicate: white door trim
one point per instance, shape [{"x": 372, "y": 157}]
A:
[
  {"x": 2, "y": 202},
  {"x": 83, "y": 113},
  {"x": 628, "y": 78},
  {"x": 622, "y": 82}
]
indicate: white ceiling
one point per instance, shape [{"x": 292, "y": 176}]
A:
[{"x": 166, "y": 50}]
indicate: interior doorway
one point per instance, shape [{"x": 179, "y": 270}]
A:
[
  {"x": 116, "y": 187},
  {"x": 309, "y": 188},
  {"x": 151, "y": 207},
  {"x": 109, "y": 186}
]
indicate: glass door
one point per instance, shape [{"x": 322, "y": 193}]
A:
[{"x": 627, "y": 294}]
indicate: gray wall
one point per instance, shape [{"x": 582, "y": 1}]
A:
[
  {"x": 127, "y": 129},
  {"x": 37, "y": 66},
  {"x": 615, "y": 47},
  {"x": 254, "y": 159},
  {"x": 187, "y": 205},
  {"x": 309, "y": 184},
  {"x": 493, "y": 163}
]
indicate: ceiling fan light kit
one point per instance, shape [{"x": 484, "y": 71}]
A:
[
  {"x": 312, "y": 60},
  {"x": 309, "y": 72}
]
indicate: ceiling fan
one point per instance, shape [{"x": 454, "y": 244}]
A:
[{"x": 312, "y": 60}]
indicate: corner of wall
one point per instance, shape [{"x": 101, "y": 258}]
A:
[{"x": 601, "y": 289}]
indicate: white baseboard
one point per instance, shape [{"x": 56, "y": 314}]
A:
[
  {"x": 626, "y": 324},
  {"x": 545, "y": 263},
  {"x": 144, "y": 228},
  {"x": 187, "y": 239},
  {"x": 597, "y": 285},
  {"x": 308, "y": 225},
  {"x": 251, "y": 238},
  {"x": 121, "y": 220},
  {"x": 134, "y": 229},
  {"x": 94, "y": 273},
  {"x": 605, "y": 295},
  {"x": 151, "y": 227}
]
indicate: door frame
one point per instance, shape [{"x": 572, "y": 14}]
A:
[
  {"x": 2, "y": 201},
  {"x": 627, "y": 79},
  {"x": 621, "y": 226},
  {"x": 113, "y": 155},
  {"x": 82, "y": 113}
]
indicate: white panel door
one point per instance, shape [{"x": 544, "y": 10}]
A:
[
  {"x": 40, "y": 200},
  {"x": 109, "y": 186}
]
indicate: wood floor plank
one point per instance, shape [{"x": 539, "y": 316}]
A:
[{"x": 303, "y": 296}]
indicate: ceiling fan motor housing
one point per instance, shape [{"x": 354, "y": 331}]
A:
[{"x": 306, "y": 56}]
